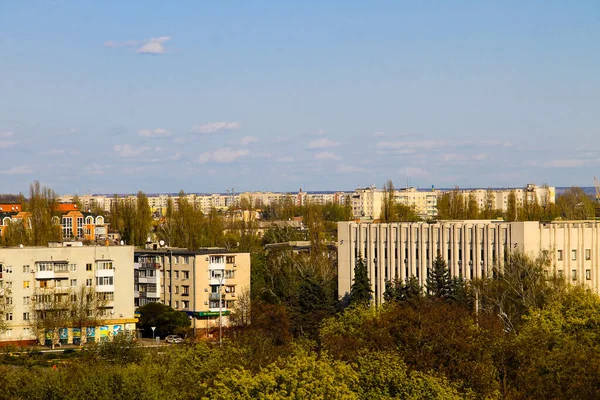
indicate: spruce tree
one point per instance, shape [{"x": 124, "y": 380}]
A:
[
  {"x": 438, "y": 279},
  {"x": 360, "y": 292}
]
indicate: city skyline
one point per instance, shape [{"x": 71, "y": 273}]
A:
[{"x": 114, "y": 98}]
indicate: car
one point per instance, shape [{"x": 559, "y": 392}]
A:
[{"x": 173, "y": 339}]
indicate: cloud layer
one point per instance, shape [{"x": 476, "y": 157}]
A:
[{"x": 216, "y": 127}]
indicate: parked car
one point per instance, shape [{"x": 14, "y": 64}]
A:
[{"x": 173, "y": 339}]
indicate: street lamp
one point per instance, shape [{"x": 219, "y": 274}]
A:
[
  {"x": 221, "y": 277},
  {"x": 153, "y": 328}
]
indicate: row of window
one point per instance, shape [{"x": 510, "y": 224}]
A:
[
  {"x": 218, "y": 274},
  {"x": 559, "y": 255},
  {"x": 185, "y": 290},
  {"x": 184, "y": 274}
]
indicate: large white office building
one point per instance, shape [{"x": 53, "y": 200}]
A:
[{"x": 470, "y": 248}]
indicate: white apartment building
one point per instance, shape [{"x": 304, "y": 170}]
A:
[
  {"x": 470, "y": 248},
  {"x": 498, "y": 198},
  {"x": 366, "y": 202},
  {"x": 30, "y": 276}
]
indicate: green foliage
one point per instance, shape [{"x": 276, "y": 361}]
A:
[
  {"x": 410, "y": 290},
  {"x": 133, "y": 219},
  {"x": 166, "y": 320},
  {"x": 438, "y": 279},
  {"x": 360, "y": 291}
]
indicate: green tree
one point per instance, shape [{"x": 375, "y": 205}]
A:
[
  {"x": 409, "y": 290},
  {"x": 438, "y": 279},
  {"x": 39, "y": 205},
  {"x": 388, "y": 202},
  {"x": 166, "y": 320},
  {"x": 511, "y": 207},
  {"x": 360, "y": 291}
]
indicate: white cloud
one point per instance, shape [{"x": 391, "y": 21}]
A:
[
  {"x": 345, "y": 169},
  {"x": 156, "y": 133},
  {"x": 20, "y": 170},
  {"x": 224, "y": 155},
  {"x": 7, "y": 134},
  {"x": 246, "y": 140},
  {"x": 482, "y": 157},
  {"x": 154, "y": 46},
  {"x": 421, "y": 145},
  {"x": 322, "y": 144},
  {"x": 285, "y": 159},
  {"x": 216, "y": 127},
  {"x": 495, "y": 143},
  {"x": 54, "y": 152},
  {"x": 148, "y": 46},
  {"x": 4, "y": 144},
  {"x": 326, "y": 155},
  {"x": 566, "y": 163},
  {"x": 94, "y": 169},
  {"x": 125, "y": 150}
]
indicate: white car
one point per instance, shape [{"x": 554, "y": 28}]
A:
[{"x": 173, "y": 339}]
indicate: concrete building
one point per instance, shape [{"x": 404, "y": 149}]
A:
[
  {"x": 31, "y": 276},
  {"x": 470, "y": 248},
  {"x": 190, "y": 281}
]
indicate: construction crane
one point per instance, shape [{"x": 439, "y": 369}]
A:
[{"x": 597, "y": 185}]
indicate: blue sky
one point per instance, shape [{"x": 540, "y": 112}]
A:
[{"x": 107, "y": 97}]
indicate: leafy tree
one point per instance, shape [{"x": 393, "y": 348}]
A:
[
  {"x": 511, "y": 207},
  {"x": 360, "y": 291},
  {"x": 48, "y": 312},
  {"x": 575, "y": 204},
  {"x": 85, "y": 307},
  {"x": 39, "y": 205},
  {"x": 166, "y": 320},
  {"x": 388, "y": 202}
]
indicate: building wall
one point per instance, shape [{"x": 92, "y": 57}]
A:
[
  {"x": 470, "y": 248},
  {"x": 20, "y": 279}
]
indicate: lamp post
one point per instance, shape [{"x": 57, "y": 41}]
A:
[
  {"x": 221, "y": 277},
  {"x": 153, "y": 328}
]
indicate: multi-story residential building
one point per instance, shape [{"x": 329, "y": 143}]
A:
[
  {"x": 366, "y": 202},
  {"x": 33, "y": 277},
  {"x": 470, "y": 248},
  {"x": 497, "y": 199},
  {"x": 423, "y": 202},
  {"x": 193, "y": 281}
]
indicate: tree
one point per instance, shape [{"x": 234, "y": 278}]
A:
[
  {"x": 409, "y": 290},
  {"x": 511, "y": 207},
  {"x": 49, "y": 311},
  {"x": 166, "y": 320},
  {"x": 86, "y": 307},
  {"x": 575, "y": 204},
  {"x": 438, "y": 279},
  {"x": 387, "y": 202},
  {"x": 360, "y": 291},
  {"x": 39, "y": 206}
]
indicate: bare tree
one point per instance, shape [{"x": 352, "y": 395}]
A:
[{"x": 49, "y": 312}]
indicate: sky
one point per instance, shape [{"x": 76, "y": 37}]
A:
[{"x": 205, "y": 96}]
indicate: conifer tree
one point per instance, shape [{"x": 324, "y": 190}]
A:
[
  {"x": 360, "y": 292},
  {"x": 438, "y": 279}
]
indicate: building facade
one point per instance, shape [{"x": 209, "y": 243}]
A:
[
  {"x": 193, "y": 281},
  {"x": 470, "y": 248},
  {"x": 33, "y": 276}
]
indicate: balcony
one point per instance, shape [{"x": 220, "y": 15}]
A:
[
  {"x": 104, "y": 272},
  {"x": 44, "y": 274},
  {"x": 147, "y": 279},
  {"x": 105, "y": 288},
  {"x": 214, "y": 296}
]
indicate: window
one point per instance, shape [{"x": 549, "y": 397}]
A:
[
  {"x": 185, "y": 304},
  {"x": 185, "y": 290},
  {"x": 44, "y": 266},
  {"x": 230, "y": 259},
  {"x": 9, "y": 301},
  {"x": 185, "y": 274},
  {"x": 63, "y": 267},
  {"x": 573, "y": 255},
  {"x": 26, "y": 268},
  {"x": 230, "y": 274},
  {"x": 25, "y": 284},
  {"x": 588, "y": 274},
  {"x": 88, "y": 267},
  {"x": 27, "y": 331},
  {"x": 43, "y": 284},
  {"x": 103, "y": 265},
  {"x": 176, "y": 274},
  {"x": 574, "y": 274},
  {"x": 73, "y": 267},
  {"x": 229, "y": 289},
  {"x": 176, "y": 305},
  {"x": 8, "y": 332},
  {"x": 107, "y": 296},
  {"x": 9, "y": 316},
  {"x": 73, "y": 282},
  {"x": 559, "y": 255},
  {"x": 104, "y": 280},
  {"x": 26, "y": 300},
  {"x": 588, "y": 255},
  {"x": 25, "y": 316},
  {"x": 88, "y": 282},
  {"x": 176, "y": 289}
]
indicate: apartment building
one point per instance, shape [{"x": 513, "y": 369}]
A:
[
  {"x": 31, "y": 278},
  {"x": 497, "y": 199},
  {"x": 366, "y": 202},
  {"x": 470, "y": 248},
  {"x": 192, "y": 281}
]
